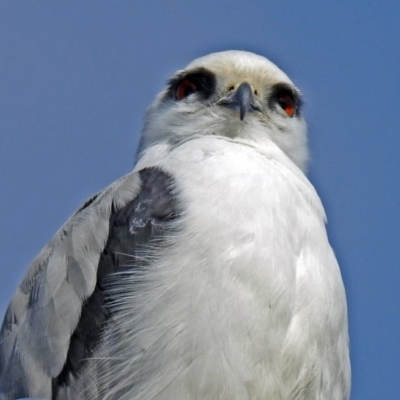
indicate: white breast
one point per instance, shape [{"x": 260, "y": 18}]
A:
[{"x": 247, "y": 302}]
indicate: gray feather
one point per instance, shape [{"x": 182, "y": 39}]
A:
[
  {"x": 134, "y": 229},
  {"x": 45, "y": 310}
]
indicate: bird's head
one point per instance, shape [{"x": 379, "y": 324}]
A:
[{"x": 236, "y": 95}]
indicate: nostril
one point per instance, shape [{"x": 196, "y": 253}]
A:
[
  {"x": 256, "y": 92},
  {"x": 230, "y": 88}
]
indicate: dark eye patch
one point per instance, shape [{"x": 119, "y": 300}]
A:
[
  {"x": 287, "y": 98},
  {"x": 199, "y": 80}
]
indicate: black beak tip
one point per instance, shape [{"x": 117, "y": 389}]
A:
[{"x": 242, "y": 113}]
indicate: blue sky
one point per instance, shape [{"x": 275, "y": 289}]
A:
[{"x": 77, "y": 76}]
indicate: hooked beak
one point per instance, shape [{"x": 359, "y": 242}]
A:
[{"x": 242, "y": 100}]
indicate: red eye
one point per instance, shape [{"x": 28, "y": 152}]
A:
[
  {"x": 287, "y": 103},
  {"x": 185, "y": 89}
]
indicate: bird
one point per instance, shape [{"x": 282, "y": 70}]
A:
[{"x": 204, "y": 273}]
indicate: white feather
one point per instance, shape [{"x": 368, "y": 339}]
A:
[{"x": 246, "y": 301}]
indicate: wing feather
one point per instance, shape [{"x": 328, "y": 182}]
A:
[{"x": 45, "y": 310}]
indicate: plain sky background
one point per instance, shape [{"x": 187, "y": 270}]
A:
[{"x": 77, "y": 76}]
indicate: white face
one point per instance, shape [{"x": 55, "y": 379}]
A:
[{"x": 234, "y": 94}]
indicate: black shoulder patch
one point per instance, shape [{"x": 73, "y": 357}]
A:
[{"x": 143, "y": 221}]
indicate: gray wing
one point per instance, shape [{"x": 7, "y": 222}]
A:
[{"x": 54, "y": 322}]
